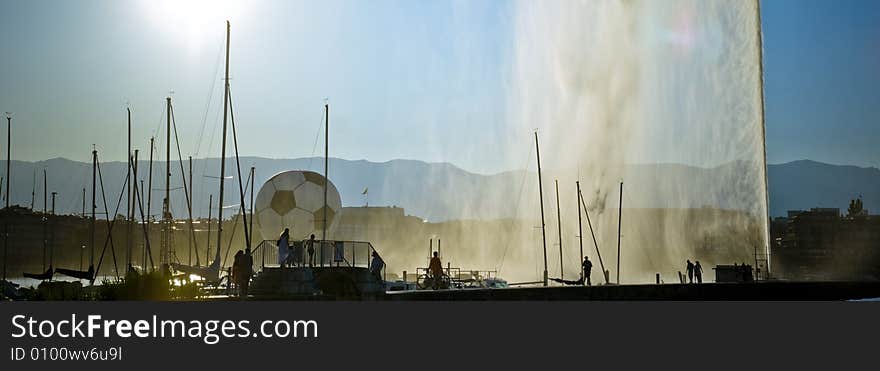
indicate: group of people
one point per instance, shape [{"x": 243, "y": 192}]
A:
[
  {"x": 242, "y": 270},
  {"x": 291, "y": 255},
  {"x": 694, "y": 270}
]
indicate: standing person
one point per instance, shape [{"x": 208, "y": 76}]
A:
[
  {"x": 247, "y": 269},
  {"x": 436, "y": 269},
  {"x": 377, "y": 265},
  {"x": 236, "y": 269},
  {"x": 298, "y": 253},
  {"x": 283, "y": 246},
  {"x": 310, "y": 248},
  {"x": 690, "y": 269},
  {"x": 587, "y": 266},
  {"x": 698, "y": 271},
  {"x": 291, "y": 257}
]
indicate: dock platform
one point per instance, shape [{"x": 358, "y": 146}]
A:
[{"x": 756, "y": 291}]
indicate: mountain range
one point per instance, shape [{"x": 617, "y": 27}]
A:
[{"x": 442, "y": 191}]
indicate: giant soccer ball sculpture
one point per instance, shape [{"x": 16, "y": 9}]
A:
[{"x": 295, "y": 200}]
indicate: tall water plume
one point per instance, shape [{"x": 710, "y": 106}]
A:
[{"x": 613, "y": 84}]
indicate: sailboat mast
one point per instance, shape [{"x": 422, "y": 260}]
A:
[
  {"x": 580, "y": 226},
  {"x": 8, "y": 159},
  {"x": 52, "y": 234},
  {"x": 8, "y": 166},
  {"x": 766, "y": 215},
  {"x": 45, "y": 220},
  {"x": 619, "y": 219},
  {"x": 189, "y": 207},
  {"x": 94, "y": 206},
  {"x": 541, "y": 196},
  {"x": 145, "y": 224},
  {"x": 223, "y": 146},
  {"x": 150, "y": 179},
  {"x": 326, "y": 163},
  {"x": 134, "y": 172},
  {"x": 129, "y": 204},
  {"x": 252, "y": 200},
  {"x": 559, "y": 227},
  {"x": 147, "y": 220},
  {"x": 208, "y": 249},
  {"x": 165, "y": 248}
]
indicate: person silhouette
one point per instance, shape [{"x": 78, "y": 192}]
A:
[
  {"x": 587, "y": 266},
  {"x": 690, "y": 270},
  {"x": 283, "y": 246},
  {"x": 247, "y": 270},
  {"x": 698, "y": 271},
  {"x": 310, "y": 248},
  {"x": 237, "y": 271},
  {"x": 376, "y": 266},
  {"x": 436, "y": 269}
]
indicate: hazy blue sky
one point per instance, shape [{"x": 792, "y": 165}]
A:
[
  {"x": 821, "y": 80},
  {"x": 396, "y": 72}
]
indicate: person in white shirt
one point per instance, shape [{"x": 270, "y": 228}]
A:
[{"x": 283, "y": 245}]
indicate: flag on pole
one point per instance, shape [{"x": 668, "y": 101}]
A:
[{"x": 364, "y": 193}]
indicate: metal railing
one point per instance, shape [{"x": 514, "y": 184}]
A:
[
  {"x": 325, "y": 254},
  {"x": 459, "y": 278}
]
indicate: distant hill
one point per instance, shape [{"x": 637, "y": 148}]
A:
[
  {"x": 441, "y": 191},
  {"x": 804, "y": 184}
]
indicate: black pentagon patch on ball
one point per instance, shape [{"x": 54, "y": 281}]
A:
[
  {"x": 282, "y": 202},
  {"x": 319, "y": 217},
  {"x": 314, "y": 178}
]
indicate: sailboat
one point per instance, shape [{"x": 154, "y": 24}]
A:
[
  {"x": 210, "y": 273},
  {"x": 41, "y": 276}
]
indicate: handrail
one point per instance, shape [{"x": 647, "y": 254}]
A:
[
  {"x": 458, "y": 276},
  {"x": 326, "y": 253}
]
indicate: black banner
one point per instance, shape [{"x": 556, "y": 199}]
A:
[{"x": 396, "y": 335}]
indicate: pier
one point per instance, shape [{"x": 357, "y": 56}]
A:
[{"x": 756, "y": 291}]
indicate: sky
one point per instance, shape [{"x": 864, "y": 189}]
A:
[
  {"x": 821, "y": 78},
  {"x": 398, "y": 75}
]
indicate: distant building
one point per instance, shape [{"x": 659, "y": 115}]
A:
[
  {"x": 364, "y": 222},
  {"x": 822, "y": 244}
]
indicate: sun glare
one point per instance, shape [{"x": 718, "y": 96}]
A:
[{"x": 192, "y": 22}]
